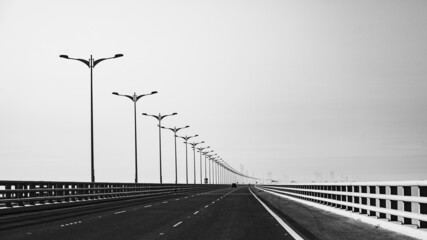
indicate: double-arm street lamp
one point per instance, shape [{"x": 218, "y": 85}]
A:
[
  {"x": 211, "y": 158},
  {"x": 206, "y": 156},
  {"x": 134, "y": 99},
  {"x": 160, "y": 118},
  {"x": 193, "y": 145},
  {"x": 175, "y": 130},
  {"x": 200, "y": 149},
  {"x": 91, "y": 63},
  {"x": 216, "y": 170},
  {"x": 186, "y": 138}
]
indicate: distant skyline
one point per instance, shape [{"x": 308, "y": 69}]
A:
[{"x": 293, "y": 89}]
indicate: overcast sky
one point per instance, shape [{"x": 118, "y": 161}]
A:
[{"x": 304, "y": 90}]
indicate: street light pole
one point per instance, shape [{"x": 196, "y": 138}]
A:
[
  {"x": 213, "y": 169},
  {"x": 193, "y": 145},
  {"x": 211, "y": 159},
  {"x": 159, "y": 118},
  {"x": 175, "y": 130},
  {"x": 134, "y": 99},
  {"x": 91, "y": 63},
  {"x": 200, "y": 151},
  {"x": 205, "y": 154},
  {"x": 186, "y": 138}
]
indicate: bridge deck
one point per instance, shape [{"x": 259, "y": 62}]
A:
[{"x": 222, "y": 214}]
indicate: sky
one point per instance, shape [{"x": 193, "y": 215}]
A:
[{"x": 292, "y": 90}]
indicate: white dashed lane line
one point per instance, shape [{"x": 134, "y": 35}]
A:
[
  {"x": 176, "y": 225},
  {"x": 69, "y": 224},
  {"x": 196, "y": 212},
  {"x": 119, "y": 212},
  {"x": 147, "y": 206}
]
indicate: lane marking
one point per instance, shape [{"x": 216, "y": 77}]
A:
[
  {"x": 176, "y": 225},
  {"x": 69, "y": 224},
  {"x": 206, "y": 206},
  {"x": 165, "y": 202},
  {"x": 196, "y": 212},
  {"x": 120, "y": 212},
  {"x": 147, "y": 206},
  {"x": 284, "y": 225}
]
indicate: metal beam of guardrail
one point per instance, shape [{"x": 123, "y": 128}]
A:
[{"x": 21, "y": 196}]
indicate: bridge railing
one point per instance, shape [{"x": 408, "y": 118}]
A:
[
  {"x": 26, "y": 195},
  {"x": 403, "y": 202}
]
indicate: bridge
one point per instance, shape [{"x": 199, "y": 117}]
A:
[{"x": 338, "y": 210}]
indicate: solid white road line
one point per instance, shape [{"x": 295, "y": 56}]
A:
[{"x": 284, "y": 225}]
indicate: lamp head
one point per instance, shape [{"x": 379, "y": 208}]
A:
[
  {"x": 115, "y": 93},
  {"x": 63, "y": 56},
  {"x": 187, "y": 126},
  {"x": 153, "y": 92},
  {"x": 174, "y": 113},
  {"x": 118, "y": 55},
  {"x": 144, "y": 114}
]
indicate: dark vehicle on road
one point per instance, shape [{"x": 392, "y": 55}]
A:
[{"x": 234, "y": 185}]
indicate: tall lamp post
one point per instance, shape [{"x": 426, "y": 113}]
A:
[
  {"x": 134, "y": 99},
  {"x": 91, "y": 63},
  {"x": 186, "y": 138},
  {"x": 206, "y": 156},
  {"x": 211, "y": 158},
  {"x": 193, "y": 145},
  {"x": 160, "y": 118},
  {"x": 175, "y": 130},
  {"x": 200, "y": 149}
]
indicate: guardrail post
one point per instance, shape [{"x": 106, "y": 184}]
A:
[
  {"x": 356, "y": 190},
  {"x": 364, "y": 190},
  {"x": 382, "y": 202},
  {"x": 423, "y": 206},
  {"x": 349, "y": 198},
  {"x": 407, "y": 205},
  {"x": 372, "y": 201},
  {"x": 344, "y": 196},
  {"x": 32, "y": 187},
  {"x": 415, "y": 208},
  {"x": 392, "y": 204},
  {"x": 400, "y": 204},
  {"x": 20, "y": 194},
  {"x": 8, "y": 195},
  {"x": 50, "y": 191}
]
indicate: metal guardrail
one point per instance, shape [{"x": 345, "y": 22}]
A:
[
  {"x": 18, "y": 196},
  {"x": 402, "y": 202}
]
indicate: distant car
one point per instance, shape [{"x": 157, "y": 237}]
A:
[{"x": 233, "y": 185}]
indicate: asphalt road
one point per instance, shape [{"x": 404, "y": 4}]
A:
[{"x": 222, "y": 214}]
